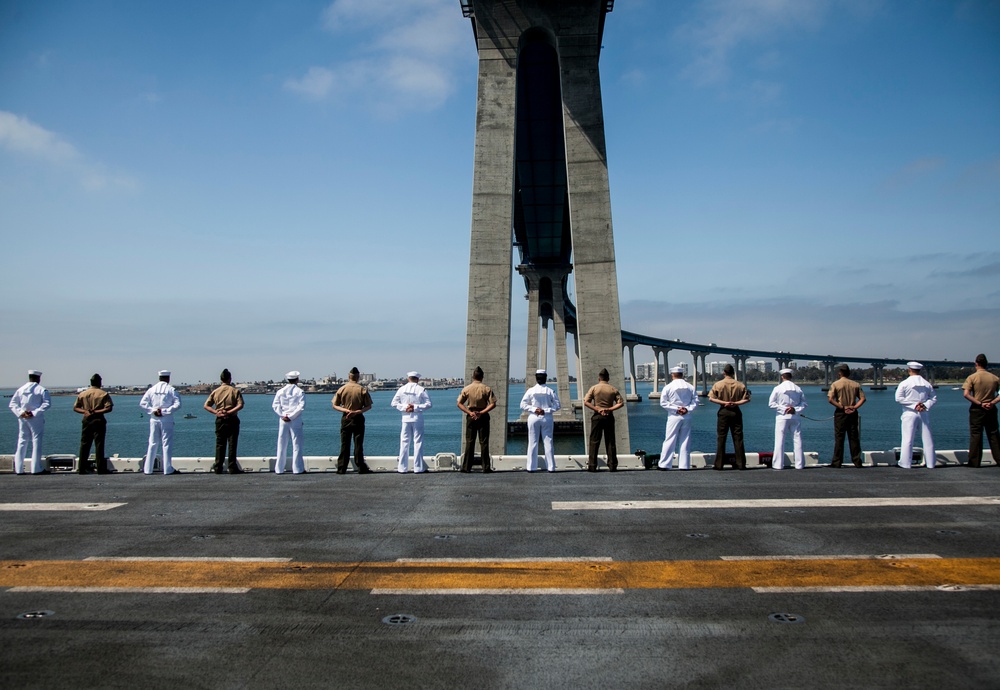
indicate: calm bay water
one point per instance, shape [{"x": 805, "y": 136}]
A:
[{"x": 128, "y": 428}]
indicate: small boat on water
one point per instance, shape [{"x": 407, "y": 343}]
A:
[{"x": 189, "y": 416}]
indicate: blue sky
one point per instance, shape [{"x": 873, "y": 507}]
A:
[{"x": 279, "y": 185}]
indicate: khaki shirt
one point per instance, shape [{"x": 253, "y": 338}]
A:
[
  {"x": 353, "y": 396},
  {"x": 845, "y": 392},
  {"x": 477, "y": 396},
  {"x": 729, "y": 390},
  {"x": 603, "y": 394},
  {"x": 982, "y": 385},
  {"x": 93, "y": 399},
  {"x": 224, "y": 398}
]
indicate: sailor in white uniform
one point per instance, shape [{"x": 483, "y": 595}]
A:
[
  {"x": 540, "y": 402},
  {"x": 787, "y": 400},
  {"x": 411, "y": 399},
  {"x": 679, "y": 399},
  {"x": 29, "y": 404},
  {"x": 916, "y": 395},
  {"x": 160, "y": 402},
  {"x": 289, "y": 402}
]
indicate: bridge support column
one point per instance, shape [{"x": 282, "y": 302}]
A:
[
  {"x": 632, "y": 396},
  {"x": 657, "y": 353},
  {"x": 740, "y": 364},
  {"x": 704, "y": 372},
  {"x": 562, "y": 361},
  {"x": 827, "y": 369},
  {"x": 878, "y": 378}
]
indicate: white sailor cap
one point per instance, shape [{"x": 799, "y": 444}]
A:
[
  {"x": 292, "y": 375},
  {"x": 34, "y": 372},
  {"x": 786, "y": 371},
  {"x": 541, "y": 371},
  {"x": 413, "y": 374},
  {"x": 916, "y": 366},
  {"x": 677, "y": 370},
  {"x": 163, "y": 372}
]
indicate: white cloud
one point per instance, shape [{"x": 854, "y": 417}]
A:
[
  {"x": 409, "y": 54},
  {"x": 315, "y": 84},
  {"x": 724, "y": 26},
  {"x": 21, "y": 136}
]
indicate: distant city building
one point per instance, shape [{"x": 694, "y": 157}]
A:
[
  {"x": 716, "y": 368},
  {"x": 644, "y": 372},
  {"x": 761, "y": 365}
]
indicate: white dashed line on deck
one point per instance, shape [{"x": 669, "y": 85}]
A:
[
  {"x": 865, "y": 502},
  {"x": 58, "y": 506}
]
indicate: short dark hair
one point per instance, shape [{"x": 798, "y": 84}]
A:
[
  {"x": 728, "y": 370},
  {"x": 477, "y": 374},
  {"x": 95, "y": 380},
  {"x": 225, "y": 376},
  {"x": 844, "y": 369},
  {"x": 981, "y": 360},
  {"x": 541, "y": 378},
  {"x": 603, "y": 374},
  {"x": 353, "y": 374}
]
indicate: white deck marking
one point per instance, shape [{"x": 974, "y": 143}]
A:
[
  {"x": 562, "y": 559},
  {"x": 197, "y": 559},
  {"x": 883, "y": 556},
  {"x": 541, "y": 591},
  {"x": 135, "y": 590},
  {"x": 59, "y": 506},
  {"x": 876, "y": 588},
  {"x": 867, "y": 502}
]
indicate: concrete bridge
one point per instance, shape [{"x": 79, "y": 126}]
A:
[{"x": 661, "y": 348}]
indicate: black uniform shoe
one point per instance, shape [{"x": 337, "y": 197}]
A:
[
  {"x": 487, "y": 470},
  {"x": 365, "y": 470},
  {"x": 341, "y": 470},
  {"x": 236, "y": 470}
]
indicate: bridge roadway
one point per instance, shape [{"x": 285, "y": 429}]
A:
[
  {"x": 740, "y": 355},
  {"x": 880, "y": 578}
]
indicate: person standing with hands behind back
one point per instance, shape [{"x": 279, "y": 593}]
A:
[
  {"x": 93, "y": 404},
  {"x": 225, "y": 402},
  {"x": 980, "y": 389}
]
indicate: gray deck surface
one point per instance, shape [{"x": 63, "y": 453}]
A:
[{"x": 636, "y": 638}]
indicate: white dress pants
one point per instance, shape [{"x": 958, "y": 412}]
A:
[
  {"x": 161, "y": 430},
  {"x": 782, "y": 427},
  {"x": 412, "y": 430},
  {"x": 679, "y": 435},
  {"x": 540, "y": 426},
  {"x": 290, "y": 430},
  {"x": 31, "y": 429},
  {"x": 911, "y": 422}
]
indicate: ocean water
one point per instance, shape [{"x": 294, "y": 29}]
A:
[{"x": 128, "y": 427}]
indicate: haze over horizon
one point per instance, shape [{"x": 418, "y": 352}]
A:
[{"x": 268, "y": 186}]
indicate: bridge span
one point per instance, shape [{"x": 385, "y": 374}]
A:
[{"x": 699, "y": 351}]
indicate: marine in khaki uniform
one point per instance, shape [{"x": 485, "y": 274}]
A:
[
  {"x": 980, "y": 390},
  {"x": 729, "y": 394},
  {"x": 603, "y": 399},
  {"x": 353, "y": 400},
  {"x": 846, "y": 395},
  {"x": 225, "y": 402},
  {"x": 477, "y": 400},
  {"x": 93, "y": 404}
]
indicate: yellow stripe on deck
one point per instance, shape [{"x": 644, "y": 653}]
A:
[{"x": 536, "y": 575}]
